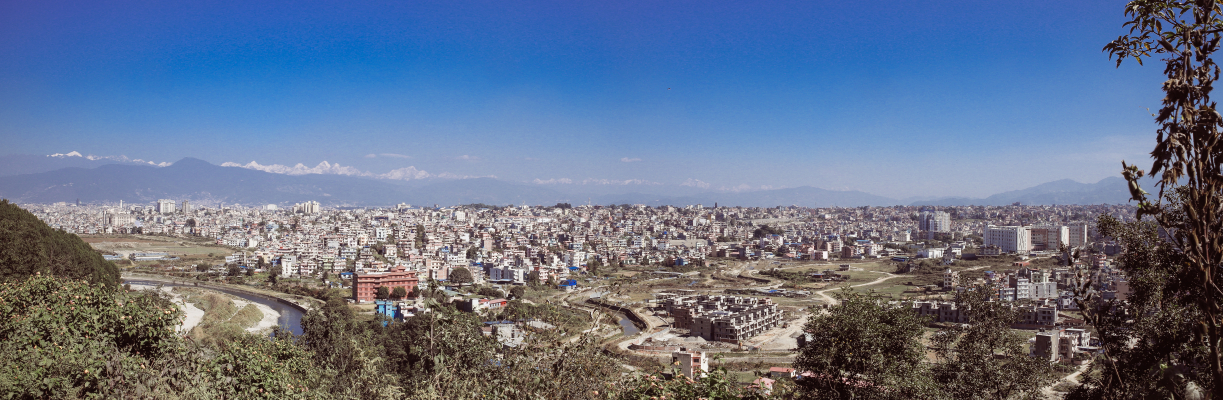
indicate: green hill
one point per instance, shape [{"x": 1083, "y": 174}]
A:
[{"x": 27, "y": 245}]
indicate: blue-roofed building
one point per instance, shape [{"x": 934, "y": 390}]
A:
[{"x": 392, "y": 309}]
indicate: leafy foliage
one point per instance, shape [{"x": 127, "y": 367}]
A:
[
  {"x": 30, "y": 246},
  {"x": 1154, "y": 345},
  {"x": 986, "y": 359},
  {"x": 765, "y": 230},
  {"x": 1188, "y": 159},
  {"x": 460, "y": 276},
  {"x": 490, "y": 292},
  {"x": 864, "y": 348},
  {"x": 714, "y": 385},
  {"x": 71, "y": 339},
  {"x": 867, "y": 348}
]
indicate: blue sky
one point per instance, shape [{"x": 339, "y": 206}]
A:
[{"x": 900, "y": 99}]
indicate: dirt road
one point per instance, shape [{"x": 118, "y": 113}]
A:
[{"x": 832, "y": 301}]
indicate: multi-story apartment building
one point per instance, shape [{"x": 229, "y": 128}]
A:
[
  {"x": 165, "y": 206},
  {"x": 1010, "y": 239},
  {"x": 1077, "y": 235},
  {"x": 1049, "y": 237},
  {"x": 724, "y": 318},
  {"x": 365, "y": 286},
  {"x": 934, "y": 221}
]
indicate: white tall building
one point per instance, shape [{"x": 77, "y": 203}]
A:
[
  {"x": 1010, "y": 239},
  {"x": 309, "y": 207},
  {"x": 186, "y": 206},
  {"x": 165, "y": 206},
  {"x": 934, "y": 221}
]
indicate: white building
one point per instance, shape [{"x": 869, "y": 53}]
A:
[
  {"x": 933, "y": 252},
  {"x": 1010, "y": 239},
  {"x": 934, "y": 221},
  {"x": 309, "y": 207},
  {"x": 506, "y": 273},
  {"x": 1040, "y": 286},
  {"x": 692, "y": 364},
  {"x": 121, "y": 219},
  {"x": 165, "y": 206}
]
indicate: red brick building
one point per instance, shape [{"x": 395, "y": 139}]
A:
[{"x": 364, "y": 286}]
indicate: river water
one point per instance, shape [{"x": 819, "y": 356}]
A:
[
  {"x": 627, "y": 325},
  {"x": 290, "y": 317}
]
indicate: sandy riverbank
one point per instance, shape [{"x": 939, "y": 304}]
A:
[
  {"x": 193, "y": 315},
  {"x": 268, "y": 322}
]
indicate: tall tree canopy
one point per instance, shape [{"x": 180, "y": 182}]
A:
[
  {"x": 460, "y": 276},
  {"x": 1188, "y": 206},
  {"x": 27, "y": 245}
]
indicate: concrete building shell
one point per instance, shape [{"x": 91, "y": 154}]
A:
[{"x": 723, "y": 318}]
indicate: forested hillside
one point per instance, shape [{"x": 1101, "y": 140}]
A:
[{"x": 29, "y": 246}]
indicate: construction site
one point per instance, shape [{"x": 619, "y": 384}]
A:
[{"x": 729, "y": 319}]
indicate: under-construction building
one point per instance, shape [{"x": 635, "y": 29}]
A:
[{"x": 723, "y": 318}]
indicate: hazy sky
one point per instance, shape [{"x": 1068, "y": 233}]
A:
[{"x": 906, "y": 98}]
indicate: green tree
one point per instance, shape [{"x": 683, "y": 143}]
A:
[
  {"x": 233, "y": 270},
  {"x": 864, "y": 348},
  {"x": 1188, "y": 165},
  {"x": 381, "y": 293},
  {"x": 347, "y": 353},
  {"x": 985, "y": 359},
  {"x": 420, "y": 236},
  {"x": 490, "y": 292},
  {"x": 460, "y": 276},
  {"x": 399, "y": 293},
  {"x": 533, "y": 278},
  {"x": 518, "y": 292},
  {"x": 30, "y": 246},
  {"x": 1153, "y": 343},
  {"x": 765, "y": 230},
  {"x": 472, "y": 252},
  {"x": 70, "y": 339},
  {"x": 593, "y": 265}
]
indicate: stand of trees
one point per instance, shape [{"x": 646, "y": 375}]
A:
[
  {"x": 866, "y": 348},
  {"x": 461, "y": 276},
  {"x": 30, "y": 246},
  {"x": 1166, "y": 339}
]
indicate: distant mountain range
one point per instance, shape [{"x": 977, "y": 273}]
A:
[
  {"x": 205, "y": 183},
  {"x": 1111, "y": 190}
]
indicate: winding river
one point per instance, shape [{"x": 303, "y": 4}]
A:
[{"x": 290, "y": 316}]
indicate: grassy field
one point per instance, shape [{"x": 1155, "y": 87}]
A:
[{"x": 188, "y": 251}]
